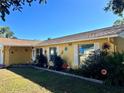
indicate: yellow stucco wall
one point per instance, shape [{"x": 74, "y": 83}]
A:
[
  {"x": 119, "y": 42},
  {"x": 17, "y": 55},
  {"x": 22, "y": 55},
  {"x": 6, "y": 55},
  {"x": 68, "y": 55}
]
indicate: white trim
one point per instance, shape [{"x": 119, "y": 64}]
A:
[
  {"x": 48, "y": 55},
  {"x": 58, "y": 50},
  {"x": 43, "y": 51},
  {"x": 1, "y": 51},
  {"x": 34, "y": 54},
  {"x": 76, "y": 57},
  {"x": 80, "y": 40}
]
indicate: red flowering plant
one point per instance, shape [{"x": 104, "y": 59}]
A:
[{"x": 65, "y": 66}]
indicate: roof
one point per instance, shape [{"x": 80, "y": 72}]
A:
[
  {"x": 18, "y": 42},
  {"x": 95, "y": 34}
]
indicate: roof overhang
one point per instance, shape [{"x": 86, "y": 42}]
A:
[
  {"x": 18, "y": 45},
  {"x": 121, "y": 35},
  {"x": 79, "y": 40},
  {"x": 1, "y": 45}
]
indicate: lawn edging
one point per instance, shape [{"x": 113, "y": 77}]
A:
[{"x": 71, "y": 75}]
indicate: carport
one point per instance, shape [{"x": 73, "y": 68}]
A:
[{"x": 16, "y": 51}]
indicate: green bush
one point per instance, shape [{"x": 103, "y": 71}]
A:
[
  {"x": 116, "y": 75},
  {"x": 94, "y": 64},
  {"x": 113, "y": 63},
  {"x": 42, "y": 61},
  {"x": 58, "y": 62}
]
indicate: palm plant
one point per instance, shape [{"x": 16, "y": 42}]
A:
[{"x": 5, "y": 32}]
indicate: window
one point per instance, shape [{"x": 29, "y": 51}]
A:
[
  {"x": 84, "y": 51},
  {"x": 53, "y": 51},
  {"x": 39, "y": 51}
]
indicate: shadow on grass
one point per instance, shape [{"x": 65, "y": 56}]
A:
[{"x": 62, "y": 84}]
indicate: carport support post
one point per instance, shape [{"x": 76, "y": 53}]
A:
[
  {"x": 1, "y": 53},
  {"x": 33, "y": 54}
]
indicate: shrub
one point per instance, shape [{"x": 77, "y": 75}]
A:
[
  {"x": 116, "y": 76},
  {"x": 65, "y": 66},
  {"x": 42, "y": 61},
  {"x": 105, "y": 66},
  {"x": 58, "y": 62},
  {"x": 94, "y": 64}
]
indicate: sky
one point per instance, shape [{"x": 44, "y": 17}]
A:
[{"x": 58, "y": 18}]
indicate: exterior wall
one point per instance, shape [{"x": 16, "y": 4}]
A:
[
  {"x": 6, "y": 55},
  {"x": 68, "y": 55},
  {"x": 119, "y": 42},
  {"x": 17, "y": 55}
]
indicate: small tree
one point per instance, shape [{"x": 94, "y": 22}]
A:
[{"x": 119, "y": 22}]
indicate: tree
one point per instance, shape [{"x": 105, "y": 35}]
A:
[
  {"x": 6, "y": 5},
  {"x": 116, "y": 6},
  {"x": 119, "y": 22},
  {"x": 6, "y": 33}
]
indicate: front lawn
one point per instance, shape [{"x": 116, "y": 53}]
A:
[{"x": 29, "y": 80}]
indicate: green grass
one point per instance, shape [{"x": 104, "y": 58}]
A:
[{"x": 29, "y": 80}]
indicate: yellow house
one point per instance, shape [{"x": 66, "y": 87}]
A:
[
  {"x": 74, "y": 48},
  {"x": 15, "y": 51}
]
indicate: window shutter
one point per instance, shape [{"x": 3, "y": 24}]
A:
[
  {"x": 34, "y": 54},
  {"x": 57, "y": 50},
  {"x": 48, "y": 54},
  {"x": 76, "y": 58}
]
